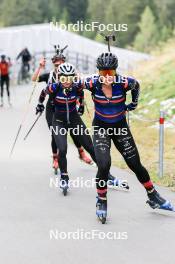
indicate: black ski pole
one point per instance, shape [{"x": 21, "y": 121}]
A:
[
  {"x": 32, "y": 126},
  {"x": 24, "y": 116},
  {"x": 64, "y": 48},
  {"x": 59, "y": 51},
  {"x": 108, "y": 38}
]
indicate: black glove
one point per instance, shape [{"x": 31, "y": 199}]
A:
[
  {"x": 131, "y": 107},
  {"x": 81, "y": 110},
  {"x": 40, "y": 108}
]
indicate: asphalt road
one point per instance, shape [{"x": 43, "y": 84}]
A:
[{"x": 36, "y": 220}]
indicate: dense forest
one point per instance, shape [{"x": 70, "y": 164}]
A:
[{"x": 150, "y": 22}]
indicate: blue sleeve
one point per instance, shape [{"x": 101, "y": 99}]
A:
[
  {"x": 90, "y": 82},
  {"x": 51, "y": 88}
]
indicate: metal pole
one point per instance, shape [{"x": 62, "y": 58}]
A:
[
  {"x": 161, "y": 142},
  {"x": 32, "y": 126},
  {"x": 25, "y": 113}
]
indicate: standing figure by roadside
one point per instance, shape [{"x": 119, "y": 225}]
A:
[{"x": 5, "y": 64}]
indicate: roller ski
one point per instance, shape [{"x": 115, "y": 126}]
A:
[
  {"x": 55, "y": 163},
  {"x": 101, "y": 209},
  {"x": 64, "y": 184},
  {"x": 157, "y": 202},
  {"x": 117, "y": 183},
  {"x": 83, "y": 157}
]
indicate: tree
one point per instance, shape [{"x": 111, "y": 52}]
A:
[
  {"x": 55, "y": 9},
  {"x": 130, "y": 12},
  {"x": 165, "y": 12},
  {"x": 125, "y": 12},
  {"x": 76, "y": 9},
  {"x": 148, "y": 36},
  {"x": 96, "y": 13},
  {"x": 20, "y": 12},
  {"x": 96, "y": 10}
]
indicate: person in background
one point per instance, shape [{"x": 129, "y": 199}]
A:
[
  {"x": 5, "y": 64},
  {"x": 25, "y": 57}
]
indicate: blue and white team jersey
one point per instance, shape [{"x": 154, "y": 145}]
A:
[
  {"x": 112, "y": 110},
  {"x": 108, "y": 110},
  {"x": 65, "y": 101}
]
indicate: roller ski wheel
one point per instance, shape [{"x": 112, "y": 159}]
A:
[
  {"x": 101, "y": 209},
  {"x": 115, "y": 183},
  {"x": 65, "y": 191},
  {"x": 157, "y": 202},
  {"x": 64, "y": 185}
]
